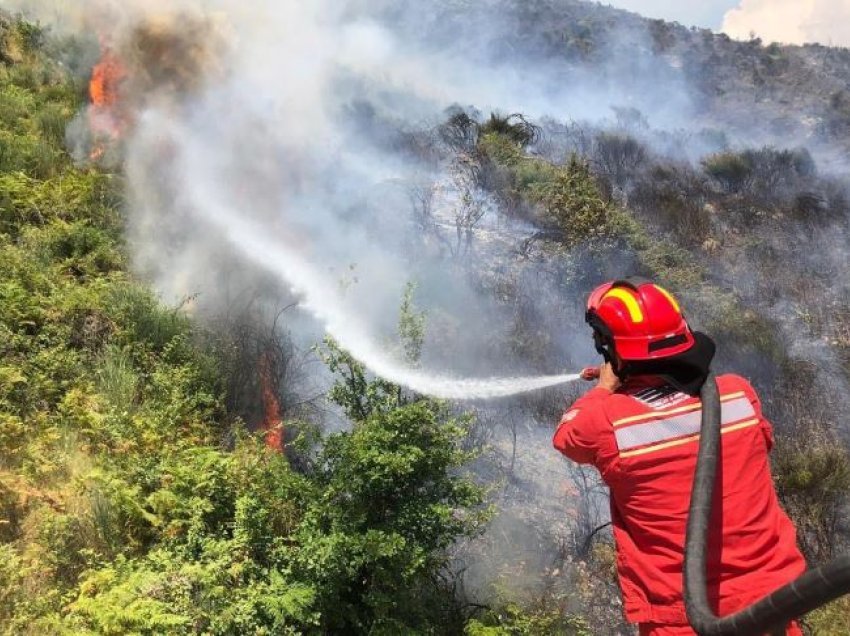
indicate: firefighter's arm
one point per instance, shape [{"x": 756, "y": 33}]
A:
[
  {"x": 766, "y": 427},
  {"x": 579, "y": 431}
]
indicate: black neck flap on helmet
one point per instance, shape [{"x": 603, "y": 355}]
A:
[
  {"x": 686, "y": 371},
  {"x": 603, "y": 339}
]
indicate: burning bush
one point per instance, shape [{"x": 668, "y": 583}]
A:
[{"x": 165, "y": 57}]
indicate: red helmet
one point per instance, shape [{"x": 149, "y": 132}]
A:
[{"x": 638, "y": 320}]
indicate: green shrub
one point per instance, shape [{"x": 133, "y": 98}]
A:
[
  {"x": 832, "y": 619},
  {"x": 513, "y": 620},
  {"x": 568, "y": 196},
  {"x": 223, "y": 519},
  {"x": 218, "y": 591},
  {"x": 74, "y": 196},
  {"x": 572, "y": 202},
  {"x": 576, "y": 213},
  {"x": 145, "y": 322},
  {"x": 812, "y": 474},
  {"x": 52, "y": 121},
  {"x": 117, "y": 379},
  {"x": 391, "y": 498},
  {"x": 516, "y": 128},
  {"x": 390, "y": 506},
  {"x": 501, "y": 149},
  {"x": 731, "y": 170},
  {"x": 79, "y": 249}
]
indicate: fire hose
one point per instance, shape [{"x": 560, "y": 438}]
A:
[{"x": 813, "y": 588}]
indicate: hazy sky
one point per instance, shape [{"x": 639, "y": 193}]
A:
[
  {"x": 706, "y": 13},
  {"x": 787, "y": 21}
]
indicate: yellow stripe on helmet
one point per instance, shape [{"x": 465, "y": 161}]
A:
[
  {"x": 629, "y": 301},
  {"x": 669, "y": 297}
]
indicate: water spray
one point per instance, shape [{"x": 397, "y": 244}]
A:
[{"x": 320, "y": 298}]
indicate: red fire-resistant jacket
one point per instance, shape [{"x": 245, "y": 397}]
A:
[{"x": 643, "y": 439}]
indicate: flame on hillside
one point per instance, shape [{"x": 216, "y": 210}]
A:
[
  {"x": 272, "y": 420},
  {"x": 166, "y": 58},
  {"x": 106, "y": 120}
]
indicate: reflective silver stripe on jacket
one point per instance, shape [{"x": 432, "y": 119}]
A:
[{"x": 654, "y": 431}]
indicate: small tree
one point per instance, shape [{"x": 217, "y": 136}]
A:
[
  {"x": 393, "y": 500},
  {"x": 411, "y": 327},
  {"x": 573, "y": 204},
  {"x": 471, "y": 205},
  {"x": 515, "y": 127},
  {"x": 618, "y": 155}
]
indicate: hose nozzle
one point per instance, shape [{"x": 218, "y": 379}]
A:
[{"x": 589, "y": 373}]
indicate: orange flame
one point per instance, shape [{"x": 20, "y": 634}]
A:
[
  {"x": 272, "y": 420},
  {"x": 105, "y": 119},
  {"x": 106, "y": 76}
]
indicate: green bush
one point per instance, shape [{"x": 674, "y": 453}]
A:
[
  {"x": 832, "y": 619},
  {"x": 731, "y": 170},
  {"x": 389, "y": 508},
  {"x": 567, "y": 196},
  {"x": 83, "y": 197},
  {"x": 513, "y": 620},
  {"x": 52, "y": 121},
  {"x": 576, "y": 214},
  {"x": 573, "y": 203},
  {"x": 217, "y": 591},
  {"x": 812, "y": 474},
  {"x": 515, "y": 128},
  {"x": 391, "y": 501},
  {"x": 117, "y": 379}
]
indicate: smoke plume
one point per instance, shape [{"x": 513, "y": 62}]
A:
[{"x": 265, "y": 141}]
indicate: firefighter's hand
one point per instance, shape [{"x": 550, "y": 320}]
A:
[
  {"x": 589, "y": 374},
  {"x": 607, "y": 378}
]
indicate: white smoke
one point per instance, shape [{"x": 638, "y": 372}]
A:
[
  {"x": 298, "y": 139},
  {"x": 319, "y": 294},
  {"x": 275, "y": 167}
]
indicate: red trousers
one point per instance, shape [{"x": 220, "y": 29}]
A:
[{"x": 653, "y": 629}]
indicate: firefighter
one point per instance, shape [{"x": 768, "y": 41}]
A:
[{"x": 639, "y": 426}]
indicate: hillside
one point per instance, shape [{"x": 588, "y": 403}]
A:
[
  {"x": 751, "y": 91},
  {"x": 215, "y": 466}
]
